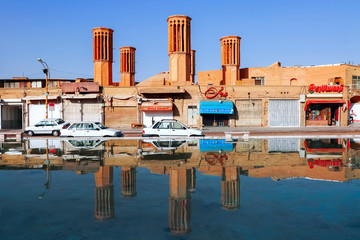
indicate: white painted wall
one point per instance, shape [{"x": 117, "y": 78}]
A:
[{"x": 148, "y": 116}]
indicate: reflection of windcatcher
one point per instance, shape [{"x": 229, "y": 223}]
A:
[
  {"x": 230, "y": 188},
  {"x": 180, "y": 200},
  {"x": 128, "y": 181},
  {"x": 179, "y": 43},
  {"x": 230, "y": 59},
  {"x": 103, "y": 55},
  {"x": 104, "y": 194},
  {"x": 127, "y": 66}
]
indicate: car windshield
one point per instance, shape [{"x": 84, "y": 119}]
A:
[
  {"x": 100, "y": 125},
  {"x": 59, "y": 121}
]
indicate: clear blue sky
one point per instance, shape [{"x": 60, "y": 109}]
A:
[{"x": 307, "y": 32}]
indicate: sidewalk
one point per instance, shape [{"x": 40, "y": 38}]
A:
[{"x": 348, "y": 131}]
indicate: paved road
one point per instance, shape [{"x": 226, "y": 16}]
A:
[{"x": 348, "y": 131}]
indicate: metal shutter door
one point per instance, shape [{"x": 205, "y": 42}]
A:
[
  {"x": 284, "y": 145},
  {"x": 91, "y": 112},
  {"x": 249, "y": 112},
  {"x": 284, "y": 113},
  {"x": 72, "y": 112}
]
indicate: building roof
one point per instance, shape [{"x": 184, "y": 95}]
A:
[{"x": 160, "y": 79}]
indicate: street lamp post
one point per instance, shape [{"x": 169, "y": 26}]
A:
[{"x": 47, "y": 73}]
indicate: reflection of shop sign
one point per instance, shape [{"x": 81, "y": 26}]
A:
[
  {"x": 213, "y": 92},
  {"x": 325, "y": 163},
  {"x": 325, "y": 88}
]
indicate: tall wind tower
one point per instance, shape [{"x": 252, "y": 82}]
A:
[
  {"x": 127, "y": 66},
  {"x": 179, "y": 49},
  {"x": 103, "y": 55},
  {"x": 230, "y": 59}
]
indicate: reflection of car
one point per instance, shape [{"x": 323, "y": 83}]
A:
[
  {"x": 47, "y": 126},
  {"x": 170, "y": 127},
  {"x": 90, "y": 129},
  {"x": 161, "y": 145},
  {"x": 85, "y": 144},
  {"x": 163, "y": 150}
]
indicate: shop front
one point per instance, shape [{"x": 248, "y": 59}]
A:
[
  {"x": 11, "y": 114},
  {"x": 325, "y": 105},
  {"x": 354, "y": 110},
  {"x": 216, "y": 113},
  {"x": 156, "y": 110},
  {"x": 36, "y": 108},
  {"x": 82, "y": 107},
  {"x": 323, "y": 112}
]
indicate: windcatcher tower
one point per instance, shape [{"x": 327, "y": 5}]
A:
[
  {"x": 103, "y": 55},
  {"x": 179, "y": 43},
  {"x": 127, "y": 66},
  {"x": 230, "y": 59},
  {"x": 192, "y": 66}
]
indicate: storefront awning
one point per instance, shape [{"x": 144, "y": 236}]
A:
[
  {"x": 323, "y": 101},
  {"x": 52, "y": 97},
  {"x": 157, "y": 106},
  {"x": 216, "y": 107},
  {"x": 80, "y": 96}
]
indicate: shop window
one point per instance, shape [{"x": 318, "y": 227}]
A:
[
  {"x": 356, "y": 82},
  {"x": 259, "y": 80},
  {"x": 323, "y": 114},
  {"x": 338, "y": 81}
]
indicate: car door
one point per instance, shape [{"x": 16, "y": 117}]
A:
[
  {"x": 40, "y": 127},
  {"x": 91, "y": 130},
  {"x": 177, "y": 129},
  {"x": 163, "y": 129},
  {"x": 49, "y": 127},
  {"x": 77, "y": 130}
]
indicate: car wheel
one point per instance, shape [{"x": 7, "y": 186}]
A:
[
  {"x": 30, "y": 133},
  {"x": 55, "y": 133}
]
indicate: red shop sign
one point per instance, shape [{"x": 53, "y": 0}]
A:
[
  {"x": 213, "y": 92},
  {"x": 325, "y": 88}
]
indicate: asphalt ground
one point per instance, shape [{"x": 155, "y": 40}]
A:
[{"x": 351, "y": 131}]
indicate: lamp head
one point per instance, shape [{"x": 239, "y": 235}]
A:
[{"x": 40, "y": 60}]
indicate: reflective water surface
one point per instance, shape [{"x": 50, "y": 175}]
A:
[{"x": 180, "y": 189}]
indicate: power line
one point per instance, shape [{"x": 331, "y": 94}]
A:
[{"x": 77, "y": 74}]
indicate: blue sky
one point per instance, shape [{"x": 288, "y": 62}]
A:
[{"x": 308, "y": 32}]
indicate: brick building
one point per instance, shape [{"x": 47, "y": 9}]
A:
[{"x": 273, "y": 96}]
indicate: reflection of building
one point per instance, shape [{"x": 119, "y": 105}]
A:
[
  {"x": 104, "y": 194},
  {"x": 128, "y": 181},
  {"x": 181, "y": 181},
  {"x": 230, "y": 188}
]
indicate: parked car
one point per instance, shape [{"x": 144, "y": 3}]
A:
[
  {"x": 47, "y": 126},
  {"x": 170, "y": 127},
  {"x": 89, "y": 129}
]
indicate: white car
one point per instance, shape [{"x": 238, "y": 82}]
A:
[
  {"x": 47, "y": 126},
  {"x": 89, "y": 129},
  {"x": 170, "y": 127}
]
